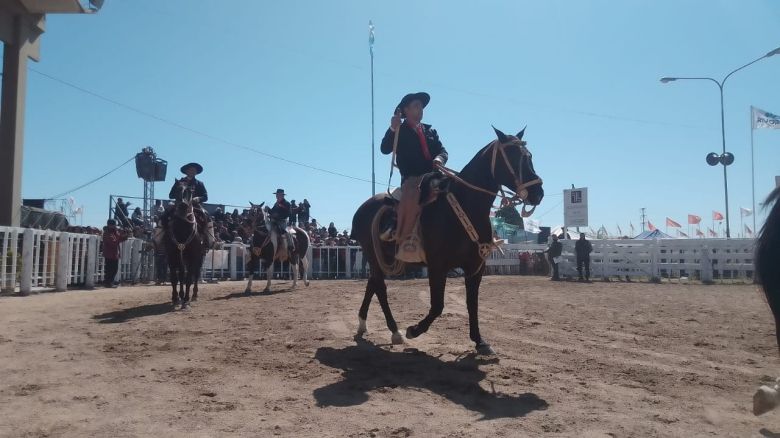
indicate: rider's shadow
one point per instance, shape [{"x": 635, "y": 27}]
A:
[{"x": 367, "y": 367}]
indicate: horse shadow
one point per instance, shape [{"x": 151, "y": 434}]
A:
[
  {"x": 366, "y": 367},
  {"x": 119, "y": 316},
  {"x": 252, "y": 294},
  {"x": 768, "y": 434}
]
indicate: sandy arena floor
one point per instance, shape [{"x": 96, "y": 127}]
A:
[{"x": 585, "y": 360}]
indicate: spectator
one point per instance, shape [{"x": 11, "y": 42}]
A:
[
  {"x": 138, "y": 217},
  {"x": 158, "y": 210},
  {"x": 293, "y": 213},
  {"x": 219, "y": 215},
  {"x": 554, "y": 251},
  {"x": 304, "y": 211},
  {"x": 112, "y": 237},
  {"x": 121, "y": 215},
  {"x": 582, "y": 250},
  {"x": 332, "y": 231}
]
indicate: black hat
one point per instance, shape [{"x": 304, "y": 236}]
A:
[
  {"x": 279, "y": 192},
  {"x": 110, "y": 222},
  {"x": 198, "y": 167},
  {"x": 421, "y": 96}
]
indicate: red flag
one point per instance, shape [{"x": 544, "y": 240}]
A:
[
  {"x": 712, "y": 233},
  {"x": 717, "y": 216},
  {"x": 699, "y": 233},
  {"x": 693, "y": 219},
  {"x": 650, "y": 226},
  {"x": 671, "y": 223}
]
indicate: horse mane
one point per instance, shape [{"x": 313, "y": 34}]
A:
[{"x": 767, "y": 254}]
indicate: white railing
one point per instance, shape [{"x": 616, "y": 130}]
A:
[{"x": 42, "y": 259}]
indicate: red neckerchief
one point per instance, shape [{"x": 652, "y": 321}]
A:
[{"x": 423, "y": 142}]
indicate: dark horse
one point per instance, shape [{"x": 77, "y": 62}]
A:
[
  {"x": 184, "y": 249},
  {"x": 767, "y": 271},
  {"x": 264, "y": 249},
  {"x": 447, "y": 244}
]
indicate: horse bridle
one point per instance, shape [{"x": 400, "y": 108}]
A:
[
  {"x": 189, "y": 218},
  {"x": 521, "y": 188}
]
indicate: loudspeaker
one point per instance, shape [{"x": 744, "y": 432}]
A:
[
  {"x": 544, "y": 234},
  {"x": 144, "y": 166},
  {"x": 160, "y": 169}
]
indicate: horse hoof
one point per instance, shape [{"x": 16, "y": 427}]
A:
[
  {"x": 195, "y": 298},
  {"x": 410, "y": 333},
  {"x": 397, "y": 338},
  {"x": 485, "y": 349},
  {"x": 306, "y": 283},
  {"x": 266, "y": 291},
  {"x": 362, "y": 330},
  {"x": 248, "y": 292}
]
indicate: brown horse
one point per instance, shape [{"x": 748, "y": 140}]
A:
[
  {"x": 264, "y": 250},
  {"x": 449, "y": 241},
  {"x": 184, "y": 249}
]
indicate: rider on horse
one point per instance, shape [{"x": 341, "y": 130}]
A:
[
  {"x": 418, "y": 152},
  {"x": 199, "y": 196},
  {"x": 279, "y": 215}
]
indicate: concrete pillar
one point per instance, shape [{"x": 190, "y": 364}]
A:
[
  {"x": 92, "y": 257},
  {"x": 62, "y": 276},
  {"x": 25, "y": 283},
  {"x": 20, "y": 34}
]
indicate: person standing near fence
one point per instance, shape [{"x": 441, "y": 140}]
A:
[
  {"x": 554, "y": 252},
  {"x": 582, "y": 250},
  {"x": 112, "y": 237}
]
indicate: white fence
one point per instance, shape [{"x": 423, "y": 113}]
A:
[{"x": 44, "y": 260}]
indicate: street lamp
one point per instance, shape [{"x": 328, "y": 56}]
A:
[{"x": 725, "y": 158}]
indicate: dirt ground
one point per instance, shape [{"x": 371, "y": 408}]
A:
[{"x": 586, "y": 360}]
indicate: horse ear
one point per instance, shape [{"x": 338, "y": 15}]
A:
[
  {"x": 251, "y": 204},
  {"x": 520, "y": 134},
  {"x": 501, "y": 136},
  {"x": 261, "y": 204}
]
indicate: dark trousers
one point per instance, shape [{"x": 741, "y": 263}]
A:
[
  {"x": 111, "y": 268},
  {"x": 583, "y": 261},
  {"x": 554, "y": 267}
]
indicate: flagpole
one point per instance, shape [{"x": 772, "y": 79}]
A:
[
  {"x": 373, "y": 147},
  {"x": 752, "y": 166}
]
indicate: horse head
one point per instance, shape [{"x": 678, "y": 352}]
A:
[
  {"x": 184, "y": 202},
  {"x": 512, "y": 166},
  {"x": 258, "y": 216}
]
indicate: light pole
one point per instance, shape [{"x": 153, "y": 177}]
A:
[{"x": 725, "y": 158}]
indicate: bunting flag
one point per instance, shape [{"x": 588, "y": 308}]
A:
[
  {"x": 681, "y": 234},
  {"x": 699, "y": 233},
  {"x": 745, "y": 211},
  {"x": 650, "y": 226},
  {"x": 632, "y": 227},
  {"x": 671, "y": 223},
  {"x": 748, "y": 231},
  {"x": 620, "y": 233},
  {"x": 712, "y": 233},
  {"x": 693, "y": 219},
  {"x": 716, "y": 216},
  {"x": 764, "y": 119}
]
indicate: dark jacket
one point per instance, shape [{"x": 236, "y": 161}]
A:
[
  {"x": 582, "y": 249},
  {"x": 303, "y": 211},
  {"x": 199, "y": 190},
  {"x": 555, "y": 249},
  {"x": 111, "y": 241},
  {"x": 409, "y": 155},
  {"x": 280, "y": 211}
]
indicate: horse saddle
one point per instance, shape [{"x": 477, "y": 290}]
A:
[{"x": 432, "y": 185}]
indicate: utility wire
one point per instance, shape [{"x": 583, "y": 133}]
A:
[{"x": 93, "y": 181}]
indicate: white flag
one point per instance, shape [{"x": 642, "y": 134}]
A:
[
  {"x": 745, "y": 211},
  {"x": 764, "y": 119}
]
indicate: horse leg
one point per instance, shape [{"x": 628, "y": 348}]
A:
[
  {"x": 380, "y": 289},
  {"x": 305, "y": 266},
  {"x": 196, "y": 280},
  {"x": 252, "y": 263},
  {"x": 174, "y": 294},
  {"x": 437, "y": 280},
  {"x": 294, "y": 267},
  {"x": 472, "y": 303},
  {"x": 268, "y": 273}
]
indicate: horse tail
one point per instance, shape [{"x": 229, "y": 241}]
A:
[
  {"x": 303, "y": 243},
  {"x": 766, "y": 256}
]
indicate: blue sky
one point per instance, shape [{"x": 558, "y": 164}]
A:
[{"x": 292, "y": 79}]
